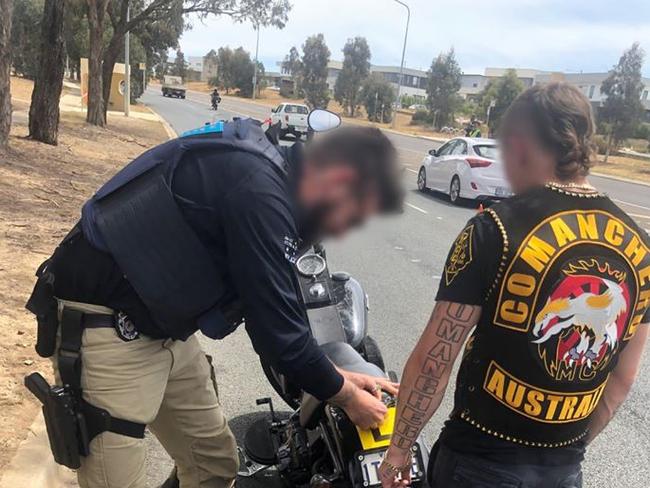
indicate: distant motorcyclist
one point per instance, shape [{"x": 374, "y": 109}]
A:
[{"x": 215, "y": 99}]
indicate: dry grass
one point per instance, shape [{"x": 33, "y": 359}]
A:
[
  {"x": 21, "y": 89},
  {"x": 636, "y": 169},
  {"x": 42, "y": 189}
]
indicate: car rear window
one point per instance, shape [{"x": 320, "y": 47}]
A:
[
  {"x": 299, "y": 109},
  {"x": 485, "y": 151}
]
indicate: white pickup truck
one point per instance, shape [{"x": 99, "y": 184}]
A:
[{"x": 292, "y": 118}]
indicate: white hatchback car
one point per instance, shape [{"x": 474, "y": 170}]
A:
[{"x": 465, "y": 167}]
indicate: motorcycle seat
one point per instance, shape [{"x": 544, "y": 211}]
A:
[{"x": 345, "y": 357}]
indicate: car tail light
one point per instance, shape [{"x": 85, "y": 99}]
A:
[
  {"x": 474, "y": 186},
  {"x": 478, "y": 162},
  {"x": 286, "y": 117}
]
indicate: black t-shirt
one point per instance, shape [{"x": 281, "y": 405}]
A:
[
  {"x": 472, "y": 262},
  {"x": 242, "y": 209}
]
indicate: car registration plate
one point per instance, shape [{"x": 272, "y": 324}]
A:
[
  {"x": 501, "y": 191},
  {"x": 370, "y": 462}
]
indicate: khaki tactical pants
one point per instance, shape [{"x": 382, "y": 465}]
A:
[{"x": 167, "y": 385}]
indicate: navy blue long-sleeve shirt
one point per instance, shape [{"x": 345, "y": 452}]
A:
[{"x": 242, "y": 208}]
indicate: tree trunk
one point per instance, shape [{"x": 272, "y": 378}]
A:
[
  {"x": 5, "y": 67},
  {"x": 44, "y": 109},
  {"x": 96, "y": 15},
  {"x": 108, "y": 63},
  {"x": 610, "y": 136}
]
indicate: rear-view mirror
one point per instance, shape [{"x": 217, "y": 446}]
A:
[{"x": 321, "y": 120}]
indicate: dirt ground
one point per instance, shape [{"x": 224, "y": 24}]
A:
[{"x": 42, "y": 189}]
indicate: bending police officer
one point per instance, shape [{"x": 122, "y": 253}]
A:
[{"x": 201, "y": 233}]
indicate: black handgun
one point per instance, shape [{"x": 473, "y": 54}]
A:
[{"x": 61, "y": 419}]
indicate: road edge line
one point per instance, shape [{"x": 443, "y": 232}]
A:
[
  {"x": 33, "y": 464},
  {"x": 620, "y": 178},
  {"x": 171, "y": 133}
]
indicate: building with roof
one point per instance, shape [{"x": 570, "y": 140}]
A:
[{"x": 591, "y": 85}]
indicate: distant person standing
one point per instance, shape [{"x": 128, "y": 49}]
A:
[
  {"x": 473, "y": 128},
  {"x": 555, "y": 285}
]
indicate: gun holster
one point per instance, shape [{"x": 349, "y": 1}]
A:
[{"x": 71, "y": 422}]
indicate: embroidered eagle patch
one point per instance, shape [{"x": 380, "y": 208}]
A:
[{"x": 461, "y": 254}]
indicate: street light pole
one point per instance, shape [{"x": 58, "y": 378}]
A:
[
  {"x": 401, "y": 66},
  {"x": 127, "y": 68},
  {"x": 257, "y": 48}
]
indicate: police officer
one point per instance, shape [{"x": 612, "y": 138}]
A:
[
  {"x": 555, "y": 284},
  {"x": 198, "y": 234}
]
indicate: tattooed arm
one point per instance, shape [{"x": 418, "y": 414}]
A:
[{"x": 424, "y": 381}]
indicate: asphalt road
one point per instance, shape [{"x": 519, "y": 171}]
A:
[{"x": 399, "y": 261}]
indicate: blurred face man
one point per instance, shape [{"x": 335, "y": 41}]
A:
[{"x": 348, "y": 175}]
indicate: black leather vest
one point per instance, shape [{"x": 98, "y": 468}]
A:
[{"x": 572, "y": 287}]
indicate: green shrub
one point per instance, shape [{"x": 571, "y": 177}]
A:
[
  {"x": 422, "y": 117},
  {"x": 642, "y": 131},
  {"x": 600, "y": 141}
]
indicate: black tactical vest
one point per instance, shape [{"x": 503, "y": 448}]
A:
[
  {"x": 571, "y": 289},
  {"x": 136, "y": 219}
]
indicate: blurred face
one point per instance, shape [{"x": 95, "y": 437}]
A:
[
  {"x": 330, "y": 201},
  {"x": 524, "y": 163},
  {"x": 513, "y": 156}
]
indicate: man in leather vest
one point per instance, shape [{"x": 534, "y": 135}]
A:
[
  {"x": 198, "y": 234},
  {"x": 555, "y": 284}
]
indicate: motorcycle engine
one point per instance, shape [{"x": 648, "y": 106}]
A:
[{"x": 294, "y": 459}]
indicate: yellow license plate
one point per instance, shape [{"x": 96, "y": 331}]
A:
[{"x": 379, "y": 437}]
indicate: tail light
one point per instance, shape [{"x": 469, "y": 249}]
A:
[
  {"x": 286, "y": 117},
  {"x": 478, "y": 162}
]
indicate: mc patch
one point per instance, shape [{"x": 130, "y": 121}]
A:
[{"x": 461, "y": 255}]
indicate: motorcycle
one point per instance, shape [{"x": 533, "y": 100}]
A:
[{"x": 316, "y": 445}]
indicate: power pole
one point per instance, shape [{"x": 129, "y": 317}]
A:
[
  {"x": 257, "y": 48},
  {"x": 127, "y": 68},
  {"x": 401, "y": 66}
]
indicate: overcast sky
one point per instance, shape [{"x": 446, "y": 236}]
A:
[{"x": 556, "y": 35}]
